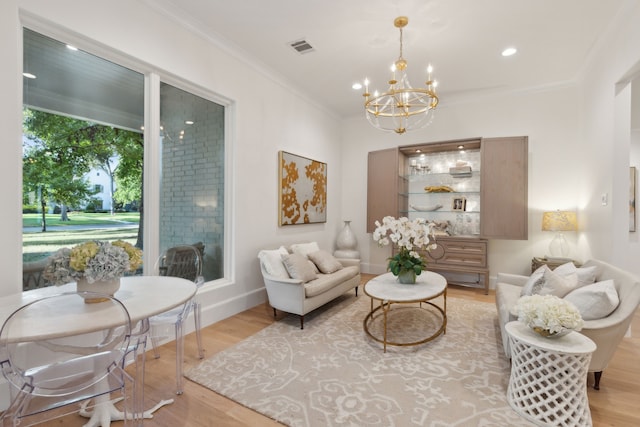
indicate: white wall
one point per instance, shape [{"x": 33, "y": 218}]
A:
[
  {"x": 607, "y": 140},
  {"x": 551, "y": 120},
  {"x": 268, "y": 116},
  {"x": 570, "y": 129},
  {"x": 578, "y": 152}
]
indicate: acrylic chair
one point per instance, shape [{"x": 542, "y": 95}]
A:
[
  {"x": 51, "y": 364},
  {"x": 184, "y": 261}
]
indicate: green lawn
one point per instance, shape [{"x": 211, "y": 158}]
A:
[
  {"x": 80, "y": 218},
  {"x": 37, "y": 244}
]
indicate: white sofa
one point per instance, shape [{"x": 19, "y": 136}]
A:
[
  {"x": 606, "y": 332},
  {"x": 303, "y": 277}
]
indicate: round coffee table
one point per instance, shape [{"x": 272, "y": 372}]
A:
[{"x": 387, "y": 291}]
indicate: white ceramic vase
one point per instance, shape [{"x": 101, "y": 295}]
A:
[
  {"x": 346, "y": 243},
  {"x": 106, "y": 287}
]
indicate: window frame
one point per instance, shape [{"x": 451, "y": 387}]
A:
[{"x": 152, "y": 156}]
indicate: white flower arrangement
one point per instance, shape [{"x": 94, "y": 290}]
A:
[
  {"x": 94, "y": 260},
  {"x": 409, "y": 236},
  {"x": 548, "y": 313}
]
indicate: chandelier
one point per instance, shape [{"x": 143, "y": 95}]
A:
[{"x": 401, "y": 107}]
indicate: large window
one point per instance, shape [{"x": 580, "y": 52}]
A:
[
  {"x": 192, "y": 184},
  {"x": 83, "y": 158}
]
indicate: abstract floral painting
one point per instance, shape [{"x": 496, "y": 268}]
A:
[{"x": 303, "y": 190}]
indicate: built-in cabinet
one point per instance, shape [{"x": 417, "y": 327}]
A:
[{"x": 473, "y": 189}]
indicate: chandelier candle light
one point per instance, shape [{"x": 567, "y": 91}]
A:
[{"x": 402, "y": 107}]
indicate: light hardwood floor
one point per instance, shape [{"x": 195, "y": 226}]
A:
[{"x": 617, "y": 403}]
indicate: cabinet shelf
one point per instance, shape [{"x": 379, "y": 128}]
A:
[
  {"x": 430, "y": 177},
  {"x": 444, "y": 193},
  {"x": 442, "y": 211}
]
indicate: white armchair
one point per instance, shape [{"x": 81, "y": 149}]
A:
[{"x": 606, "y": 332}]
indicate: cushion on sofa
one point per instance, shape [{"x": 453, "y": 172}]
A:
[
  {"x": 299, "y": 267},
  {"x": 558, "y": 284},
  {"x": 325, "y": 262},
  {"x": 535, "y": 281},
  {"x": 272, "y": 262},
  {"x": 545, "y": 281},
  {"x": 304, "y": 248},
  {"x": 325, "y": 282},
  {"x": 595, "y": 301},
  {"x": 586, "y": 275}
]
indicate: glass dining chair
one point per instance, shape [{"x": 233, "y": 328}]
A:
[
  {"x": 54, "y": 355},
  {"x": 184, "y": 261}
]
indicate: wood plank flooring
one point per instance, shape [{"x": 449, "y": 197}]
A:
[{"x": 617, "y": 403}]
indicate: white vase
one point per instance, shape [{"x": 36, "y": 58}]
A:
[
  {"x": 106, "y": 287},
  {"x": 347, "y": 243}
]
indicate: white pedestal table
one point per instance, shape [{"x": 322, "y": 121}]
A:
[{"x": 143, "y": 297}]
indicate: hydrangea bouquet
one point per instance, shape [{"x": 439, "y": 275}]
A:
[
  {"x": 409, "y": 236},
  {"x": 93, "y": 260},
  {"x": 548, "y": 315}
]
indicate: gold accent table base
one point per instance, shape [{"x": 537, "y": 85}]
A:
[{"x": 386, "y": 289}]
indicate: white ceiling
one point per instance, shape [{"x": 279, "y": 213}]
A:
[{"x": 352, "y": 39}]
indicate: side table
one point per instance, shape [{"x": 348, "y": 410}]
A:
[
  {"x": 548, "y": 383},
  {"x": 552, "y": 263}
]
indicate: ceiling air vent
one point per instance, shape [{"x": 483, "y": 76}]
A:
[{"x": 302, "y": 46}]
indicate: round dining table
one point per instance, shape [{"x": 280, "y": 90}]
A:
[{"x": 142, "y": 296}]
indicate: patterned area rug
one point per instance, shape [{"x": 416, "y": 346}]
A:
[{"x": 333, "y": 374}]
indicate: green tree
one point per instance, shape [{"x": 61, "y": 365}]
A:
[{"x": 62, "y": 150}]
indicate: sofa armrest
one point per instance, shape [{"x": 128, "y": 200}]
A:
[
  {"x": 348, "y": 262},
  {"x": 512, "y": 279}
]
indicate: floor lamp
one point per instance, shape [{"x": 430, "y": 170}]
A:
[{"x": 559, "y": 221}]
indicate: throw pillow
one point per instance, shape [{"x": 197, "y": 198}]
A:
[
  {"x": 595, "y": 301},
  {"x": 272, "y": 262},
  {"x": 534, "y": 280},
  {"x": 326, "y": 262},
  {"x": 557, "y": 284},
  {"x": 305, "y": 248},
  {"x": 298, "y": 267},
  {"x": 586, "y": 275}
]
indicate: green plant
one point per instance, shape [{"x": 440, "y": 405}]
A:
[
  {"x": 409, "y": 236},
  {"x": 406, "y": 260}
]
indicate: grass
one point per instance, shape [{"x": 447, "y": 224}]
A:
[
  {"x": 37, "y": 244},
  {"x": 80, "y": 218}
]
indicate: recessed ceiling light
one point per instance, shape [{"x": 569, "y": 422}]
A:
[
  {"x": 189, "y": 122},
  {"x": 509, "y": 51},
  {"x": 29, "y": 75},
  {"x": 356, "y": 86}
]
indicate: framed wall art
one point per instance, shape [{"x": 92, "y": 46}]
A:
[
  {"x": 632, "y": 198},
  {"x": 459, "y": 204},
  {"x": 302, "y": 190}
]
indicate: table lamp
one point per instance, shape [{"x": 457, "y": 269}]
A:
[{"x": 559, "y": 221}]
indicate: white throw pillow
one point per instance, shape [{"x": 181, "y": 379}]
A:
[
  {"x": 305, "y": 248},
  {"x": 557, "y": 284},
  {"x": 272, "y": 262},
  {"x": 595, "y": 301},
  {"x": 586, "y": 275},
  {"x": 325, "y": 262},
  {"x": 534, "y": 284},
  {"x": 299, "y": 267}
]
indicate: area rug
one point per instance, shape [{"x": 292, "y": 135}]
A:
[{"x": 333, "y": 374}]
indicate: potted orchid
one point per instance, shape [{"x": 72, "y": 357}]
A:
[
  {"x": 409, "y": 236},
  {"x": 94, "y": 262}
]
